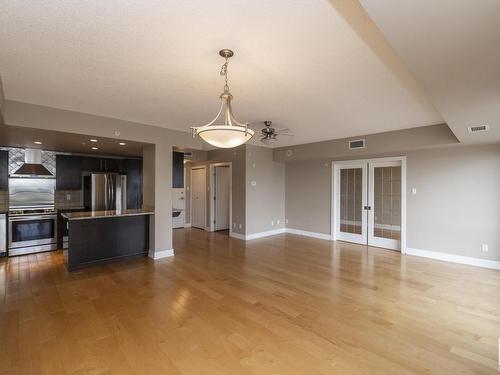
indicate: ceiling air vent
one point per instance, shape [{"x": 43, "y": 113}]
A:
[
  {"x": 479, "y": 128},
  {"x": 358, "y": 143}
]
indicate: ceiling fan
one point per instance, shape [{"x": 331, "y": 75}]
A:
[{"x": 269, "y": 134}]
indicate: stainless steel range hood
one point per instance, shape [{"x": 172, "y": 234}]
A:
[{"x": 33, "y": 165}]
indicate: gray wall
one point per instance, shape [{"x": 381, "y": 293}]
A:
[
  {"x": 265, "y": 202},
  {"x": 455, "y": 210},
  {"x": 457, "y": 205},
  {"x": 388, "y": 143},
  {"x": 2, "y": 102},
  {"x": 308, "y": 191}
]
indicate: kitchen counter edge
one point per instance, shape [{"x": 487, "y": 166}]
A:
[{"x": 86, "y": 215}]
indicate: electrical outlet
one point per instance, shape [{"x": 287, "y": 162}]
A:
[
  {"x": 277, "y": 221},
  {"x": 286, "y": 221},
  {"x": 68, "y": 197},
  {"x": 484, "y": 247},
  {"x": 234, "y": 225},
  {"x": 414, "y": 191},
  {"x": 240, "y": 226},
  {"x": 272, "y": 222}
]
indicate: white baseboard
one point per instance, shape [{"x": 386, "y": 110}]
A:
[
  {"x": 447, "y": 257},
  {"x": 321, "y": 236},
  {"x": 268, "y": 233},
  {"x": 237, "y": 235},
  {"x": 187, "y": 225},
  {"x": 274, "y": 232},
  {"x": 160, "y": 254}
]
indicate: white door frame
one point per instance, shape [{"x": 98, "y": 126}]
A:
[
  {"x": 212, "y": 194},
  {"x": 191, "y": 194},
  {"x": 336, "y": 188}
]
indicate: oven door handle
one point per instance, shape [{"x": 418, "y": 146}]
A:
[{"x": 30, "y": 218}]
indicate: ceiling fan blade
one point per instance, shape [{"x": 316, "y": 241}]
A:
[
  {"x": 282, "y": 130},
  {"x": 287, "y": 134}
]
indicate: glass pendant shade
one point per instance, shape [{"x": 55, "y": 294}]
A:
[
  {"x": 223, "y": 137},
  {"x": 224, "y": 131},
  {"x": 228, "y": 132}
]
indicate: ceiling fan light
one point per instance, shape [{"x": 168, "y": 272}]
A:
[{"x": 268, "y": 140}]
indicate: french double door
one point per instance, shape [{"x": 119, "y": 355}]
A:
[{"x": 368, "y": 202}]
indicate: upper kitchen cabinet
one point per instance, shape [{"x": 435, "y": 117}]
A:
[
  {"x": 4, "y": 169},
  {"x": 133, "y": 169},
  {"x": 178, "y": 170},
  {"x": 91, "y": 164},
  {"x": 68, "y": 172}
]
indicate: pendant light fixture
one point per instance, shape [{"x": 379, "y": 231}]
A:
[{"x": 224, "y": 131}]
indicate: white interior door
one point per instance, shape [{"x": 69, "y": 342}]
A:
[
  {"x": 384, "y": 196},
  {"x": 198, "y": 197},
  {"x": 222, "y": 191},
  {"x": 350, "y": 202}
]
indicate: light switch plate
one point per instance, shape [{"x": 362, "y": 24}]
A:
[{"x": 414, "y": 191}]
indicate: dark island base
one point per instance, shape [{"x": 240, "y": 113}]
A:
[{"x": 98, "y": 241}]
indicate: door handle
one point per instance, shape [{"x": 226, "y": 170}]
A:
[{"x": 368, "y": 208}]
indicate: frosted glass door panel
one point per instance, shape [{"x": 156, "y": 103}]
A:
[
  {"x": 351, "y": 224},
  {"x": 385, "y": 201},
  {"x": 351, "y": 208}
]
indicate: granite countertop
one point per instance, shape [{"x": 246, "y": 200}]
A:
[
  {"x": 71, "y": 208},
  {"x": 104, "y": 214}
]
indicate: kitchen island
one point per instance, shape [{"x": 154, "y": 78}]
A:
[{"x": 97, "y": 237}]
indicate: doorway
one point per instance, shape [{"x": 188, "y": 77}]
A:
[
  {"x": 221, "y": 196},
  {"x": 369, "y": 204},
  {"x": 198, "y": 197}
]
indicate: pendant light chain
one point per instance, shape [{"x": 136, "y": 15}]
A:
[{"x": 223, "y": 72}]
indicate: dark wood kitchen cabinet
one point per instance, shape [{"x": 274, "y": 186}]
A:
[
  {"x": 4, "y": 169},
  {"x": 178, "y": 170},
  {"x": 133, "y": 169},
  {"x": 68, "y": 172},
  {"x": 91, "y": 164}
]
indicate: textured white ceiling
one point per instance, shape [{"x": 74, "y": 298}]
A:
[
  {"x": 320, "y": 68},
  {"x": 453, "y": 47}
]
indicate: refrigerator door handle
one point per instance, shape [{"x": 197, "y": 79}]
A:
[
  {"x": 113, "y": 197},
  {"x": 111, "y": 200},
  {"x": 106, "y": 192}
]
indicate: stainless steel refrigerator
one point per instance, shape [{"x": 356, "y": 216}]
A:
[{"x": 105, "y": 191}]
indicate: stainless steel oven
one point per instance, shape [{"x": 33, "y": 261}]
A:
[
  {"x": 32, "y": 219},
  {"x": 32, "y": 233}
]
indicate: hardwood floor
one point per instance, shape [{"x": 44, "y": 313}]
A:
[{"x": 279, "y": 305}]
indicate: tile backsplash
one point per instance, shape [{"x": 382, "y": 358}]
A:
[
  {"x": 4, "y": 200},
  {"x": 68, "y": 198}
]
